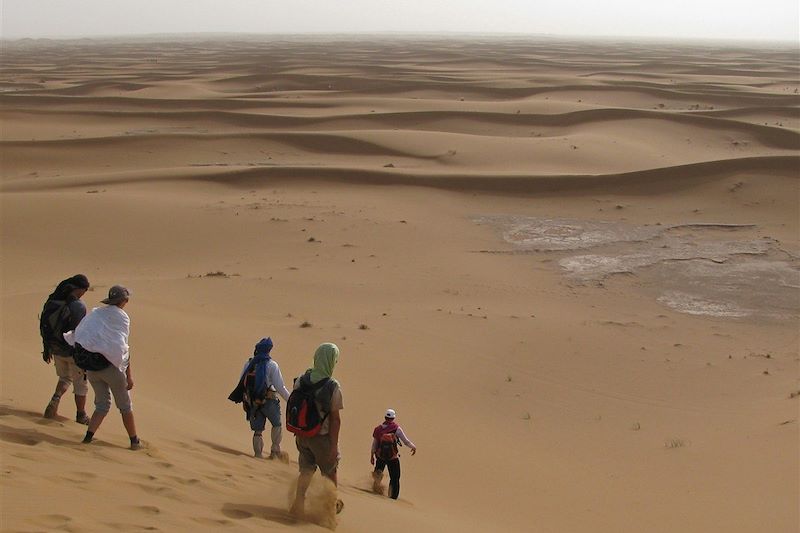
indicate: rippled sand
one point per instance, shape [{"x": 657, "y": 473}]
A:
[{"x": 625, "y": 359}]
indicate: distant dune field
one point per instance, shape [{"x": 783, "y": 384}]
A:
[{"x": 572, "y": 267}]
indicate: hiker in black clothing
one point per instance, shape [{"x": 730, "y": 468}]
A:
[
  {"x": 62, "y": 312},
  {"x": 385, "y": 439}
]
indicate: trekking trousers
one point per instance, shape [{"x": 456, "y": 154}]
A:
[{"x": 394, "y": 474}]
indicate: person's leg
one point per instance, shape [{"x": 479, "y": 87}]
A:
[
  {"x": 80, "y": 409},
  {"x": 64, "y": 380},
  {"x": 258, "y": 421},
  {"x": 394, "y": 478},
  {"x": 118, "y": 382},
  {"x": 80, "y": 387},
  {"x": 95, "y": 421},
  {"x": 130, "y": 423},
  {"x": 258, "y": 445},
  {"x": 321, "y": 447},
  {"x": 272, "y": 410},
  {"x": 102, "y": 404},
  {"x": 332, "y": 475},
  {"x": 377, "y": 475},
  {"x": 303, "y": 481},
  {"x": 307, "y": 465}
]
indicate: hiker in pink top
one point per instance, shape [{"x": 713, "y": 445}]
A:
[{"x": 385, "y": 440}]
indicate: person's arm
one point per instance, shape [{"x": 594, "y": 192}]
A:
[
  {"x": 77, "y": 311},
  {"x": 335, "y": 418},
  {"x": 129, "y": 376},
  {"x": 276, "y": 379},
  {"x": 406, "y": 441},
  {"x": 373, "y": 451}
]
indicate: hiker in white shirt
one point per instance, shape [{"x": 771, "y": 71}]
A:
[
  {"x": 105, "y": 331},
  {"x": 259, "y": 395}
]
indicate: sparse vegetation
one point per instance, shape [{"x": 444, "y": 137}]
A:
[
  {"x": 794, "y": 394},
  {"x": 363, "y": 326},
  {"x": 674, "y": 443},
  {"x": 306, "y": 324},
  {"x": 217, "y": 274}
]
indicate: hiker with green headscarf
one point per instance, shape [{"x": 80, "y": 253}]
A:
[{"x": 318, "y": 446}]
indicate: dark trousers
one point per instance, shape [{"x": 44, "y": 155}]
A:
[{"x": 394, "y": 474}]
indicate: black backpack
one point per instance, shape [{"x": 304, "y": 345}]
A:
[
  {"x": 255, "y": 383},
  {"x": 53, "y": 323},
  {"x": 302, "y": 415},
  {"x": 89, "y": 360}
]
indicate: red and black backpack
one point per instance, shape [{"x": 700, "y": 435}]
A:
[
  {"x": 302, "y": 415},
  {"x": 387, "y": 445}
]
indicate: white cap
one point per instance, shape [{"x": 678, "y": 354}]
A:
[{"x": 389, "y": 413}]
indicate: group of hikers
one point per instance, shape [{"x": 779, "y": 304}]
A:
[
  {"x": 89, "y": 347},
  {"x": 313, "y": 415},
  {"x": 94, "y": 347}
]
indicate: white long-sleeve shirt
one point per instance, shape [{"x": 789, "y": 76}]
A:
[
  {"x": 105, "y": 330},
  {"x": 274, "y": 378}
]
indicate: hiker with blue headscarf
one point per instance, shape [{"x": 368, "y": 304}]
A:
[{"x": 260, "y": 384}]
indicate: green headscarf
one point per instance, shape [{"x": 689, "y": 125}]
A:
[{"x": 325, "y": 359}]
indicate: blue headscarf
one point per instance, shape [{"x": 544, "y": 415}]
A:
[
  {"x": 263, "y": 347},
  {"x": 261, "y": 354}
]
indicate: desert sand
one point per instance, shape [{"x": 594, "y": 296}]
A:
[{"x": 572, "y": 267}]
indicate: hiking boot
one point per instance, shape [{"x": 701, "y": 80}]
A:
[
  {"x": 52, "y": 409},
  {"x": 279, "y": 456},
  {"x": 82, "y": 418},
  {"x": 136, "y": 445}
]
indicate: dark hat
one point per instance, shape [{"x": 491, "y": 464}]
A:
[{"x": 116, "y": 294}]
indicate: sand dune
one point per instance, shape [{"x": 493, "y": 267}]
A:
[{"x": 571, "y": 266}]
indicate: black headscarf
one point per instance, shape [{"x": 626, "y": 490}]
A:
[{"x": 64, "y": 289}]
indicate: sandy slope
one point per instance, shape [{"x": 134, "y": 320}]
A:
[{"x": 338, "y": 184}]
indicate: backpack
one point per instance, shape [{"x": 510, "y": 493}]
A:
[
  {"x": 387, "y": 446},
  {"x": 89, "y": 360},
  {"x": 53, "y": 323},
  {"x": 255, "y": 382},
  {"x": 302, "y": 415}
]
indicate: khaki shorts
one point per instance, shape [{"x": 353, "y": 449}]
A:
[
  {"x": 315, "y": 452},
  {"x": 69, "y": 373},
  {"x": 107, "y": 382}
]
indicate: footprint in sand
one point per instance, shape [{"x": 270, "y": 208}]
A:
[
  {"x": 212, "y": 521},
  {"x": 238, "y": 514},
  {"x": 53, "y": 521},
  {"x": 185, "y": 481},
  {"x": 148, "y": 509}
]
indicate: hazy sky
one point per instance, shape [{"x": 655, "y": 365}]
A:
[{"x": 727, "y": 19}]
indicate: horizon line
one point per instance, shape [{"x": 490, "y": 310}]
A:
[{"x": 427, "y": 34}]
